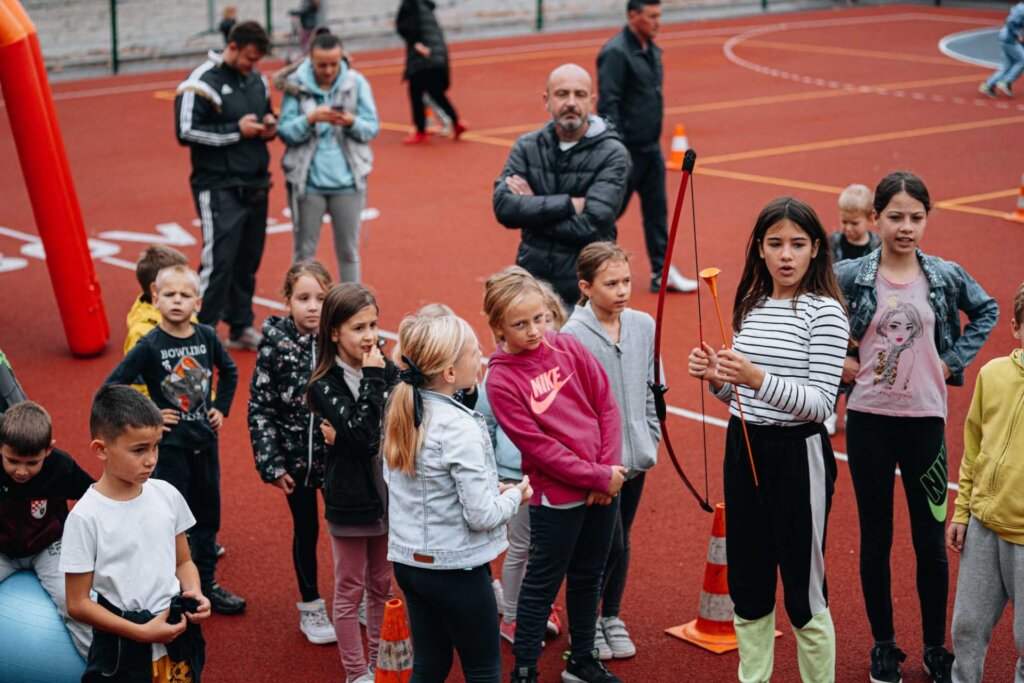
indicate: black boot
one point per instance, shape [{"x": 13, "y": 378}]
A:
[{"x": 223, "y": 601}]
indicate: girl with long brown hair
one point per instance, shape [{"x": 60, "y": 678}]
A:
[
  {"x": 791, "y": 333},
  {"x": 349, "y": 388}
]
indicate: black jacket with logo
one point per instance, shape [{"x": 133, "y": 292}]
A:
[
  {"x": 32, "y": 514},
  {"x": 629, "y": 81},
  {"x": 416, "y": 23},
  {"x": 207, "y": 107}
]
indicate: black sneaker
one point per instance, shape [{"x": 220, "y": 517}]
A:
[
  {"x": 524, "y": 674},
  {"x": 938, "y": 663},
  {"x": 588, "y": 669},
  {"x": 885, "y": 664},
  {"x": 223, "y": 601}
]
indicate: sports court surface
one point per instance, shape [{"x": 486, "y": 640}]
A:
[{"x": 799, "y": 104}]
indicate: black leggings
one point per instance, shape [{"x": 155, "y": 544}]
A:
[
  {"x": 448, "y": 609},
  {"x": 877, "y": 444},
  {"x": 617, "y": 568},
  {"x": 433, "y": 82},
  {"x": 305, "y": 532}
]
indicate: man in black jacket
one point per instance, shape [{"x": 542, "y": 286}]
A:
[
  {"x": 563, "y": 184},
  {"x": 222, "y": 112},
  {"x": 629, "y": 78}
]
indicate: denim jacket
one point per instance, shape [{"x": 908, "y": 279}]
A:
[
  {"x": 449, "y": 515},
  {"x": 951, "y": 290}
]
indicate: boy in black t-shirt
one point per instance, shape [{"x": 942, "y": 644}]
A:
[{"x": 176, "y": 360}]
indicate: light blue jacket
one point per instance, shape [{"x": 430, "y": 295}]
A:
[
  {"x": 950, "y": 290},
  {"x": 508, "y": 457},
  {"x": 326, "y": 156},
  {"x": 1011, "y": 30},
  {"x": 449, "y": 514}
]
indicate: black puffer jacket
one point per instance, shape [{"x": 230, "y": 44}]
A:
[
  {"x": 629, "y": 79},
  {"x": 285, "y": 434},
  {"x": 416, "y": 23},
  {"x": 596, "y": 168},
  {"x": 350, "y": 490}
]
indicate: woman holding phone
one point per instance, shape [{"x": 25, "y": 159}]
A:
[{"x": 328, "y": 118}]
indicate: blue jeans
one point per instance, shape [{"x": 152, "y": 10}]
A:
[{"x": 1013, "y": 64}]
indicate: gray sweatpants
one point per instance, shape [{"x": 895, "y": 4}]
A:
[
  {"x": 46, "y": 565},
  {"x": 991, "y": 573},
  {"x": 514, "y": 568},
  {"x": 307, "y": 218}
]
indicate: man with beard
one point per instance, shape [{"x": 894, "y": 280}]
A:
[
  {"x": 563, "y": 184},
  {"x": 629, "y": 77}
]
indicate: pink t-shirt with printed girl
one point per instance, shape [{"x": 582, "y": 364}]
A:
[{"x": 900, "y": 369}]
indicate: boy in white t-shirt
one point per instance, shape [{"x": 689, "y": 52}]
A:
[{"x": 125, "y": 539}]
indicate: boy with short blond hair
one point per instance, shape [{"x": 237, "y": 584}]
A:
[
  {"x": 855, "y": 237},
  {"x": 125, "y": 540},
  {"x": 177, "y": 361},
  {"x": 35, "y": 484},
  {"x": 987, "y": 530}
]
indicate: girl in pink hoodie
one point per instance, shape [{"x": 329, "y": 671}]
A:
[{"x": 553, "y": 400}]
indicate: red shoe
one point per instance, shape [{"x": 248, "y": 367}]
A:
[
  {"x": 554, "y": 626},
  {"x": 507, "y": 631},
  {"x": 458, "y": 128},
  {"x": 416, "y": 138}
]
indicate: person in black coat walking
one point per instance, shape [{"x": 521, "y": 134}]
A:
[
  {"x": 563, "y": 184},
  {"x": 426, "y": 65}
]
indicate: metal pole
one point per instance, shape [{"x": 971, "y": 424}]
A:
[
  {"x": 210, "y": 16},
  {"x": 540, "y": 15},
  {"x": 764, "y": 5},
  {"x": 114, "y": 61},
  {"x": 269, "y": 11}
]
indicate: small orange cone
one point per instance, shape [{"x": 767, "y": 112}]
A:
[
  {"x": 713, "y": 628},
  {"x": 680, "y": 143},
  {"x": 394, "y": 658},
  {"x": 1018, "y": 215}
]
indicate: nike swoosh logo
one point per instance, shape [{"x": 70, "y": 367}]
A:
[
  {"x": 541, "y": 407},
  {"x": 938, "y": 511}
]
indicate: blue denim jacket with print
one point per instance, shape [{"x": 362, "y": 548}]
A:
[{"x": 950, "y": 290}]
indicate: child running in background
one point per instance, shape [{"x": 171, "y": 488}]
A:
[
  {"x": 1011, "y": 39},
  {"x": 286, "y": 441},
  {"x": 349, "y": 388},
  {"x": 447, "y": 512},
  {"x": 176, "y": 360},
  {"x": 905, "y": 317},
  {"x": 552, "y": 398},
  {"x": 125, "y": 540},
  {"x": 853, "y": 240},
  {"x": 144, "y": 316},
  {"x": 35, "y": 484},
  {"x": 790, "y": 339},
  {"x": 988, "y": 520},
  {"x": 622, "y": 340},
  {"x": 510, "y": 470}
]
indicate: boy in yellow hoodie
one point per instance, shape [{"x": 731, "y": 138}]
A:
[
  {"x": 988, "y": 521},
  {"x": 143, "y": 316}
]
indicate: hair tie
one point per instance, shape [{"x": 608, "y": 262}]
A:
[{"x": 414, "y": 377}]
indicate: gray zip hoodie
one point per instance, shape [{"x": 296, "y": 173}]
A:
[{"x": 630, "y": 367}]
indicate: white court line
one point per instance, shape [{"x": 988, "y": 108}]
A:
[{"x": 959, "y": 56}]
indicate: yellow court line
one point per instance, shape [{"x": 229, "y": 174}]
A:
[
  {"x": 164, "y": 94},
  {"x": 976, "y": 210},
  {"x": 979, "y": 197},
  {"x": 862, "y": 139},
  {"x": 853, "y": 52}
]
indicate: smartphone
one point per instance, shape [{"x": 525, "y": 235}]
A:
[{"x": 338, "y": 107}]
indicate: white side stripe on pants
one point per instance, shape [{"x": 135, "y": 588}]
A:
[
  {"x": 816, "y": 476},
  {"x": 206, "y": 255}
]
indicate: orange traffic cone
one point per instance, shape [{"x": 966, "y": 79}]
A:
[
  {"x": 713, "y": 628},
  {"x": 680, "y": 143},
  {"x": 1018, "y": 215},
  {"x": 394, "y": 658}
]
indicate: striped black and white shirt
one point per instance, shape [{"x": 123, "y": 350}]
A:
[{"x": 801, "y": 352}]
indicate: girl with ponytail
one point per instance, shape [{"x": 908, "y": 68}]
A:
[{"x": 447, "y": 510}]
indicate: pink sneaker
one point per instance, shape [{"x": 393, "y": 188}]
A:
[
  {"x": 554, "y": 622},
  {"x": 508, "y": 630}
]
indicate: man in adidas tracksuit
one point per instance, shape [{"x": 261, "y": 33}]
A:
[{"x": 222, "y": 112}]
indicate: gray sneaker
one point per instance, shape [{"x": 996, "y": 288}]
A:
[
  {"x": 986, "y": 90},
  {"x": 604, "y": 651},
  {"x": 617, "y": 637},
  {"x": 247, "y": 340},
  {"x": 1004, "y": 87}
]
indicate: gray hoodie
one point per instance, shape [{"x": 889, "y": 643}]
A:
[{"x": 630, "y": 367}]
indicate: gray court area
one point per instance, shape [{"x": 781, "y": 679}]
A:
[{"x": 977, "y": 46}]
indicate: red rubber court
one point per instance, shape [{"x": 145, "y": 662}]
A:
[{"x": 800, "y": 104}]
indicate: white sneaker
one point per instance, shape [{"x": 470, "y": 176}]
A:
[
  {"x": 680, "y": 283},
  {"x": 313, "y": 622},
  {"x": 367, "y": 677},
  {"x": 620, "y": 645},
  {"x": 499, "y": 595},
  {"x": 830, "y": 424},
  {"x": 604, "y": 651}
]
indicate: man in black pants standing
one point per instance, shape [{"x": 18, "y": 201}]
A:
[
  {"x": 426, "y": 66},
  {"x": 629, "y": 79},
  {"x": 222, "y": 113}
]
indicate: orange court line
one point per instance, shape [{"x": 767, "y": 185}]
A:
[{"x": 979, "y": 197}]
